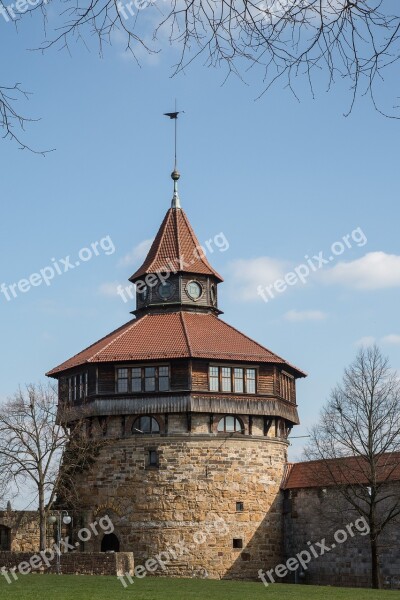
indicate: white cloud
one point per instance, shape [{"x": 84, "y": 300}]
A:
[
  {"x": 109, "y": 289},
  {"x": 392, "y": 338},
  {"x": 305, "y": 315},
  {"x": 137, "y": 254},
  {"x": 367, "y": 340},
  {"x": 248, "y": 274},
  {"x": 375, "y": 270}
]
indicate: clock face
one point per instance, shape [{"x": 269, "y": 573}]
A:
[
  {"x": 194, "y": 290},
  {"x": 166, "y": 290}
]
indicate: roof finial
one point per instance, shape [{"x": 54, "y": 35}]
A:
[{"x": 176, "y": 203}]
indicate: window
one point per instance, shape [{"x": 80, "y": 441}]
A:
[
  {"x": 238, "y": 379},
  {"x": 139, "y": 379},
  {"x": 286, "y": 385},
  {"x": 230, "y": 424},
  {"x": 146, "y": 424},
  {"x": 237, "y": 543},
  {"x": 214, "y": 379},
  {"x": 150, "y": 379},
  {"x": 239, "y": 507},
  {"x": 153, "y": 458},
  {"x": 77, "y": 386},
  {"x": 136, "y": 380},
  {"x": 251, "y": 381},
  {"x": 163, "y": 379},
  {"x": 122, "y": 380},
  {"x": 226, "y": 379}
]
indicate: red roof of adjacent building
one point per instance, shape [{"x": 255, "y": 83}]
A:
[
  {"x": 350, "y": 470},
  {"x": 175, "y": 335},
  {"x": 176, "y": 244}
]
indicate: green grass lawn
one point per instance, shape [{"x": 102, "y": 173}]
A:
[{"x": 69, "y": 587}]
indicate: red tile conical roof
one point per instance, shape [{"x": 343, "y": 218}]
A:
[
  {"x": 175, "y": 335},
  {"x": 176, "y": 245}
]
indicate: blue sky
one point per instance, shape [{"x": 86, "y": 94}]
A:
[{"x": 281, "y": 179}]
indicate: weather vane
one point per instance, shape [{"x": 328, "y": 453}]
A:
[{"x": 175, "y": 173}]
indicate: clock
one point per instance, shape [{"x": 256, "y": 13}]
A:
[{"x": 194, "y": 290}]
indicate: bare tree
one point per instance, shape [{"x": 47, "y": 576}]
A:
[
  {"x": 354, "y": 40},
  {"x": 358, "y": 439},
  {"x": 38, "y": 448}
]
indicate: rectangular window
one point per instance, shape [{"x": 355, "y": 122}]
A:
[
  {"x": 214, "y": 379},
  {"x": 136, "y": 379},
  {"x": 153, "y": 458},
  {"x": 226, "y": 379},
  {"x": 163, "y": 379},
  {"x": 237, "y": 543},
  {"x": 239, "y": 507},
  {"x": 238, "y": 381},
  {"x": 122, "y": 380},
  {"x": 150, "y": 379},
  {"x": 139, "y": 379},
  {"x": 251, "y": 381}
]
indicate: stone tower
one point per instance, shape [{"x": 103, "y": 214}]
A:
[{"x": 196, "y": 417}]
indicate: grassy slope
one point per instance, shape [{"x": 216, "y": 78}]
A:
[{"x": 51, "y": 587}]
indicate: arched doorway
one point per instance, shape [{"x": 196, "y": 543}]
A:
[
  {"x": 110, "y": 543},
  {"x": 5, "y": 538}
]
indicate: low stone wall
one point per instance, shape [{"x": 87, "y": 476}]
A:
[
  {"x": 73, "y": 563},
  {"x": 23, "y": 529}
]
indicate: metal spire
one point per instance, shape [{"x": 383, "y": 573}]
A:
[{"x": 175, "y": 175}]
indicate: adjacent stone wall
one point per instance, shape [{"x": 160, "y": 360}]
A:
[
  {"x": 313, "y": 514},
  {"x": 24, "y": 529},
  {"x": 200, "y": 478},
  {"x": 74, "y": 563}
]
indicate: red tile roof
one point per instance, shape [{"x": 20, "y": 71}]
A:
[
  {"x": 343, "y": 471},
  {"x": 175, "y": 335},
  {"x": 176, "y": 242}
]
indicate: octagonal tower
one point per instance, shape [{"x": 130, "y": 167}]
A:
[{"x": 196, "y": 417}]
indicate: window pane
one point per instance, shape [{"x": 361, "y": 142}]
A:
[
  {"x": 226, "y": 379},
  {"x": 136, "y": 385},
  {"x": 122, "y": 373},
  {"x": 163, "y": 384},
  {"x": 238, "y": 425},
  {"x": 163, "y": 371},
  {"x": 150, "y": 384},
  {"x": 122, "y": 385},
  {"x": 221, "y": 425},
  {"x": 145, "y": 424},
  {"x": 137, "y": 373},
  {"x": 155, "y": 428},
  {"x": 238, "y": 380},
  {"x": 150, "y": 371},
  {"x": 251, "y": 381},
  {"x": 214, "y": 381},
  {"x": 230, "y": 423}
]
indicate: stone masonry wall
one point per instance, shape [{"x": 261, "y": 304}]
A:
[
  {"x": 74, "y": 563},
  {"x": 200, "y": 478},
  {"x": 311, "y": 515},
  {"x": 24, "y": 529}
]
